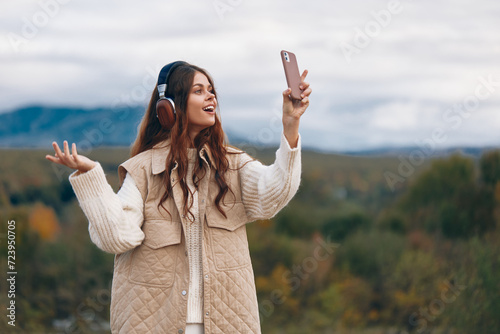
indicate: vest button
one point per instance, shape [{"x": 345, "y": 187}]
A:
[
  {"x": 183, "y": 292},
  {"x": 180, "y": 331},
  {"x": 206, "y": 313},
  {"x": 202, "y": 201},
  {"x": 206, "y": 276}
]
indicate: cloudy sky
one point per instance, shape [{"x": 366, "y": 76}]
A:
[{"x": 394, "y": 73}]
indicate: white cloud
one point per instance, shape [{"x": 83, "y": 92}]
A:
[{"x": 427, "y": 58}]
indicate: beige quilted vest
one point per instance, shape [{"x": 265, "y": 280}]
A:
[{"x": 151, "y": 282}]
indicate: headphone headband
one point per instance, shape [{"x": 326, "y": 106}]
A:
[
  {"x": 165, "y": 106},
  {"x": 164, "y": 75}
]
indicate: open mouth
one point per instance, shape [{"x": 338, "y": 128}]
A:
[{"x": 209, "y": 108}]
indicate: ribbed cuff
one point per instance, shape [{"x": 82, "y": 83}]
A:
[
  {"x": 286, "y": 155},
  {"x": 90, "y": 184},
  {"x": 285, "y": 145}
]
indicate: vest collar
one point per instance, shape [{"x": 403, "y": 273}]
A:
[{"x": 160, "y": 152}]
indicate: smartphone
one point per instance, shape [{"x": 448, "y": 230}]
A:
[{"x": 291, "y": 73}]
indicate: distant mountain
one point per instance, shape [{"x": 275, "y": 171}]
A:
[
  {"x": 39, "y": 126},
  {"x": 417, "y": 151}
]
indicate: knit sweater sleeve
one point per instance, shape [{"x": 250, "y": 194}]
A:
[
  {"x": 115, "y": 219},
  {"x": 267, "y": 189}
]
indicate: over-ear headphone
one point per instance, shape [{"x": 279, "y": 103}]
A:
[{"x": 165, "y": 107}]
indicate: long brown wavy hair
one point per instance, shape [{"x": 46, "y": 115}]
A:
[{"x": 150, "y": 132}]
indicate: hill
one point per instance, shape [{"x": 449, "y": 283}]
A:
[{"x": 89, "y": 128}]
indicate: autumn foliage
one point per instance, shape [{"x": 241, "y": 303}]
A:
[{"x": 348, "y": 254}]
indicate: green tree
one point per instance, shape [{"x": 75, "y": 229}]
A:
[
  {"x": 340, "y": 226},
  {"x": 490, "y": 167},
  {"x": 447, "y": 199}
]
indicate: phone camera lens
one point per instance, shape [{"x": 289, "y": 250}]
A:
[{"x": 285, "y": 54}]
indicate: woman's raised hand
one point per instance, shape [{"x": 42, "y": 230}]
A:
[
  {"x": 72, "y": 160},
  {"x": 293, "y": 110}
]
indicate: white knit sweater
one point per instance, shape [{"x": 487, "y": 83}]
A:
[
  {"x": 193, "y": 245},
  {"x": 115, "y": 219}
]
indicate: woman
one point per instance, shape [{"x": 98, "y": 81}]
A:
[{"x": 178, "y": 222}]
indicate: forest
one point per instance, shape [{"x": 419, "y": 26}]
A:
[{"x": 351, "y": 253}]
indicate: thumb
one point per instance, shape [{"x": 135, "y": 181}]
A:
[{"x": 286, "y": 95}]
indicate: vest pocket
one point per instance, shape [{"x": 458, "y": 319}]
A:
[
  {"x": 228, "y": 236},
  {"x": 153, "y": 262}
]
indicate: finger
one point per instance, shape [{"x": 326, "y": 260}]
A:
[
  {"x": 53, "y": 159},
  {"x": 74, "y": 153},
  {"x": 286, "y": 94},
  {"x": 304, "y": 85},
  {"x": 66, "y": 148},
  {"x": 57, "y": 149},
  {"x": 304, "y": 74},
  {"x": 63, "y": 157},
  {"x": 305, "y": 93},
  {"x": 304, "y": 101}
]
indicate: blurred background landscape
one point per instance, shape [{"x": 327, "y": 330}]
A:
[
  {"x": 357, "y": 250},
  {"x": 395, "y": 226}
]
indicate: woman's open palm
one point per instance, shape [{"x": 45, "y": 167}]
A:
[{"x": 72, "y": 160}]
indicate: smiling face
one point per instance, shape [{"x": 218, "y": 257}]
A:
[{"x": 201, "y": 105}]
